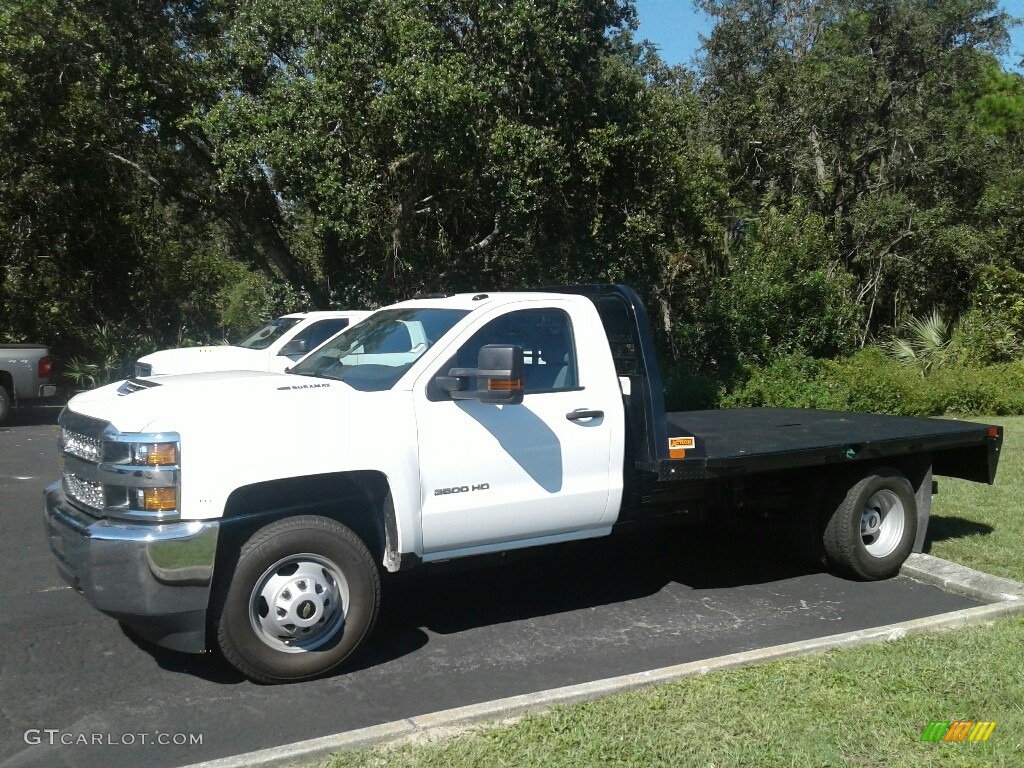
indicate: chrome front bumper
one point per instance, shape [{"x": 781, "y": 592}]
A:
[{"x": 155, "y": 578}]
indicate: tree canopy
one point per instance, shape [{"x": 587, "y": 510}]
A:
[{"x": 177, "y": 170}]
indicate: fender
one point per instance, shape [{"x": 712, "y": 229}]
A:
[{"x": 360, "y": 500}]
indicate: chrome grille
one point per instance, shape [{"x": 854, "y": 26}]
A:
[
  {"x": 87, "y": 492},
  {"x": 82, "y": 446},
  {"x": 81, "y": 437}
]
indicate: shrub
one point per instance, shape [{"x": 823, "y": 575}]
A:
[
  {"x": 685, "y": 391},
  {"x": 992, "y": 331},
  {"x": 929, "y": 343},
  {"x": 869, "y": 381},
  {"x": 789, "y": 381},
  {"x": 110, "y": 356},
  {"x": 994, "y": 389},
  {"x": 876, "y": 383},
  {"x": 788, "y": 290},
  {"x": 985, "y": 337}
]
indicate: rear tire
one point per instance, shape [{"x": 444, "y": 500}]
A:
[
  {"x": 872, "y": 530},
  {"x": 5, "y": 404},
  {"x": 303, "y": 598}
]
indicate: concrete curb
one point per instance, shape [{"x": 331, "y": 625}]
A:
[
  {"x": 1006, "y": 598},
  {"x": 961, "y": 579}
]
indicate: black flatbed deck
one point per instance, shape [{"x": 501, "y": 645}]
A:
[
  {"x": 694, "y": 446},
  {"x": 743, "y": 440}
]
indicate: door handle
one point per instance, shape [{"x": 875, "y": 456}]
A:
[{"x": 577, "y": 415}]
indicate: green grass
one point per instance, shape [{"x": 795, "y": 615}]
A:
[
  {"x": 862, "y": 707},
  {"x": 982, "y": 526}
]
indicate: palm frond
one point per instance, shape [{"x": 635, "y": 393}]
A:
[{"x": 928, "y": 342}]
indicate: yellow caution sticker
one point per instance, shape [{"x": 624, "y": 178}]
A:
[{"x": 677, "y": 446}]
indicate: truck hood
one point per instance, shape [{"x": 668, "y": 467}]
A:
[
  {"x": 171, "y": 403},
  {"x": 212, "y": 358}
]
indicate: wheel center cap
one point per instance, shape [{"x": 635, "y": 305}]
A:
[
  {"x": 871, "y": 524},
  {"x": 306, "y": 609}
]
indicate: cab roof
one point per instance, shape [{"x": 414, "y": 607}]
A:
[
  {"x": 320, "y": 314},
  {"x": 473, "y": 301}
]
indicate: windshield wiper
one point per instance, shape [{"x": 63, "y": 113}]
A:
[{"x": 315, "y": 374}]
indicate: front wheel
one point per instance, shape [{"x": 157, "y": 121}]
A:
[
  {"x": 872, "y": 530},
  {"x": 303, "y": 597},
  {"x": 5, "y": 404}
]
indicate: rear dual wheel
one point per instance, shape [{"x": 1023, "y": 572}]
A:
[
  {"x": 872, "y": 530},
  {"x": 303, "y": 598}
]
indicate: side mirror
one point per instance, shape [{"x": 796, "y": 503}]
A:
[
  {"x": 500, "y": 366},
  {"x": 294, "y": 347}
]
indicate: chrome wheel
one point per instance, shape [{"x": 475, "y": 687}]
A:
[
  {"x": 881, "y": 523},
  {"x": 872, "y": 530},
  {"x": 299, "y": 603}
]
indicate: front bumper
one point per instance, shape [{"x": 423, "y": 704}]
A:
[{"x": 154, "y": 578}]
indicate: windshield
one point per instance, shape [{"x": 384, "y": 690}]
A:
[
  {"x": 376, "y": 353},
  {"x": 269, "y": 333}
]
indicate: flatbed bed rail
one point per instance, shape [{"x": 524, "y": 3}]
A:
[{"x": 745, "y": 440}]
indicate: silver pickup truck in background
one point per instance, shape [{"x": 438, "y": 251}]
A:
[{"x": 25, "y": 371}]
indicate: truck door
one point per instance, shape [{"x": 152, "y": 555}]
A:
[{"x": 500, "y": 473}]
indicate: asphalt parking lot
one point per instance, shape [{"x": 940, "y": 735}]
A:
[{"x": 77, "y": 691}]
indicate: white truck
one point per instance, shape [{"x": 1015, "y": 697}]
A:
[
  {"x": 25, "y": 372},
  {"x": 253, "y": 511},
  {"x": 274, "y": 347}
]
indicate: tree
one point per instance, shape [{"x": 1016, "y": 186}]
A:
[
  {"x": 110, "y": 211},
  {"x": 857, "y": 110},
  {"x": 460, "y": 143}
]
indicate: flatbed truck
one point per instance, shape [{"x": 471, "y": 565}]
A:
[{"x": 255, "y": 511}]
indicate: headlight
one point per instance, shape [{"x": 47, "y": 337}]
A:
[
  {"x": 141, "y": 476},
  {"x": 155, "y": 499},
  {"x": 153, "y": 454}
]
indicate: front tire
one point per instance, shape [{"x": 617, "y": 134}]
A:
[
  {"x": 5, "y": 404},
  {"x": 872, "y": 530},
  {"x": 303, "y": 598}
]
